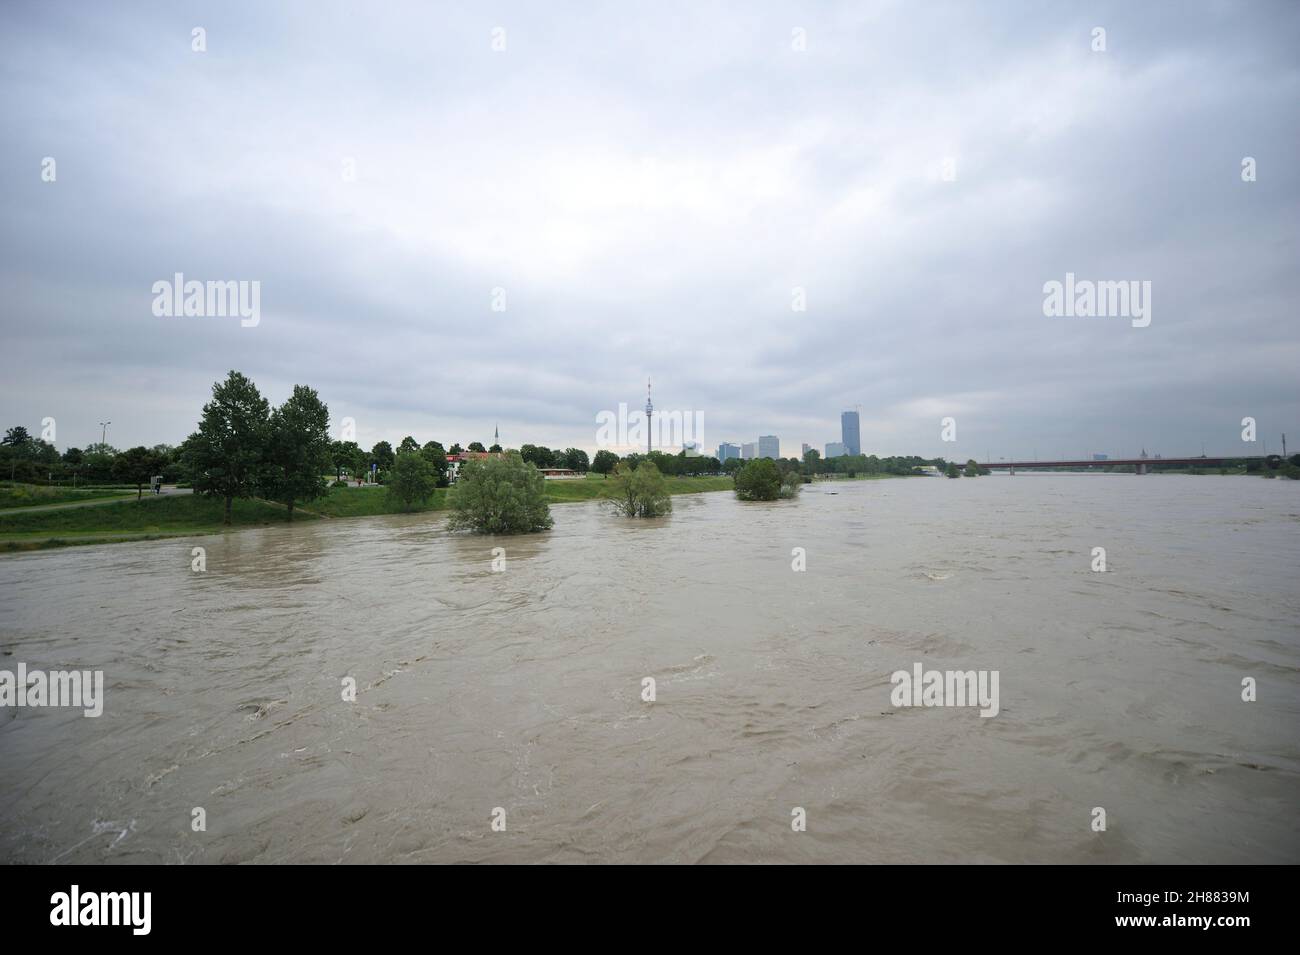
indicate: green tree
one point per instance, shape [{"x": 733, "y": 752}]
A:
[
  {"x": 382, "y": 455},
  {"x": 952, "y": 470},
  {"x": 812, "y": 460},
  {"x": 575, "y": 459},
  {"x": 758, "y": 480},
  {"x": 640, "y": 492},
  {"x": 476, "y": 446},
  {"x": 412, "y": 481},
  {"x": 408, "y": 444},
  {"x": 228, "y": 451},
  {"x": 504, "y": 495},
  {"x": 435, "y": 455},
  {"x": 972, "y": 468},
  {"x": 455, "y": 449},
  {"x": 18, "y": 438},
  {"x": 604, "y": 462},
  {"x": 732, "y": 465},
  {"x": 537, "y": 456},
  {"x": 137, "y": 466},
  {"x": 298, "y": 449},
  {"x": 98, "y": 462},
  {"x": 495, "y": 449},
  {"x": 344, "y": 455}
]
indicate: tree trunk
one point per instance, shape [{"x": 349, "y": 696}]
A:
[
  {"x": 139, "y": 492},
  {"x": 229, "y": 502},
  {"x": 291, "y": 510}
]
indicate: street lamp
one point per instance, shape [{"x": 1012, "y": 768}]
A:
[{"x": 103, "y": 433}]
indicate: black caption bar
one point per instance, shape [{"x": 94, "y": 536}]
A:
[{"x": 140, "y": 906}]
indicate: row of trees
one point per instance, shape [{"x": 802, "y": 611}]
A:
[
  {"x": 29, "y": 459},
  {"x": 953, "y": 470},
  {"x": 349, "y": 459},
  {"x": 575, "y": 459}
]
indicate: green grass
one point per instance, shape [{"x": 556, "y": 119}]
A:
[
  {"x": 35, "y": 495},
  {"x": 152, "y": 515},
  {"x": 179, "y": 515}
]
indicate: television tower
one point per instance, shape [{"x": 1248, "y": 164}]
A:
[{"x": 649, "y": 416}]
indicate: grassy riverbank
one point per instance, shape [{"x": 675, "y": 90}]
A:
[
  {"x": 36, "y": 495},
  {"x": 188, "y": 515}
]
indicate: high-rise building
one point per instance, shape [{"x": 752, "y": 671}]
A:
[
  {"x": 850, "y": 433},
  {"x": 769, "y": 446},
  {"x": 806, "y": 448},
  {"x": 835, "y": 449},
  {"x": 726, "y": 450},
  {"x": 749, "y": 450}
]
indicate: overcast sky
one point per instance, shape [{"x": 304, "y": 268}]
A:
[{"x": 649, "y": 183}]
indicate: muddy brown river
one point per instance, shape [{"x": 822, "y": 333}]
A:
[{"x": 517, "y": 696}]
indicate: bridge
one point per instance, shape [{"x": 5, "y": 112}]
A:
[{"x": 1140, "y": 465}]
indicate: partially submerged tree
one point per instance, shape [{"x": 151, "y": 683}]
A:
[
  {"x": 504, "y": 495},
  {"x": 639, "y": 492},
  {"x": 758, "y": 480}
]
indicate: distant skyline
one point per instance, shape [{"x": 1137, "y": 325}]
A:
[{"x": 447, "y": 236}]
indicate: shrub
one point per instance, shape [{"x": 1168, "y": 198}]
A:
[
  {"x": 639, "y": 492},
  {"x": 791, "y": 484},
  {"x": 758, "y": 480},
  {"x": 502, "y": 495}
]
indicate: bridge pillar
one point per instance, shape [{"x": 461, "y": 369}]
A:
[
  {"x": 1013, "y": 470},
  {"x": 1141, "y": 468}
]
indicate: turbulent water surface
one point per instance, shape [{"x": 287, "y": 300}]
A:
[{"x": 523, "y": 689}]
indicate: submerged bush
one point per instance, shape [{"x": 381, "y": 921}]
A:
[
  {"x": 758, "y": 480},
  {"x": 791, "y": 484},
  {"x": 504, "y": 495},
  {"x": 639, "y": 492}
]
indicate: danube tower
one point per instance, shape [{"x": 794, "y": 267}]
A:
[{"x": 649, "y": 416}]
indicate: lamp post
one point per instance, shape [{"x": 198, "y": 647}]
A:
[{"x": 103, "y": 433}]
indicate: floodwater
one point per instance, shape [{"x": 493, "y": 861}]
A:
[{"x": 522, "y": 689}]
